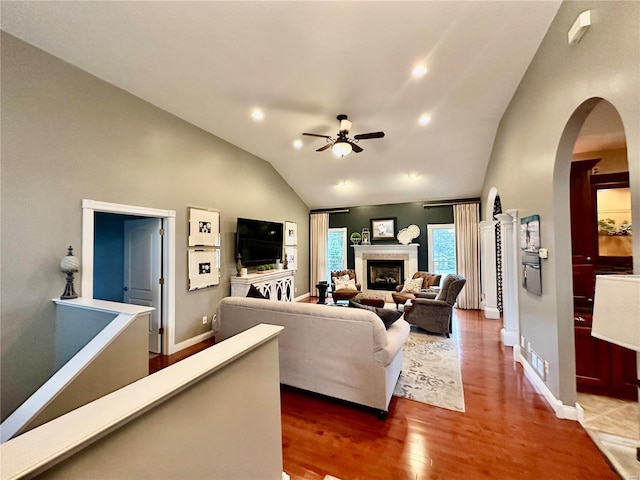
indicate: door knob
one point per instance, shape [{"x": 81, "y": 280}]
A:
[{"x": 126, "y": 289}]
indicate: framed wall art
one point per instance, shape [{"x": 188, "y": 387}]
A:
[
  {"x": 204, "y": 227},
  {"x": 290, "y": 233},
  {"x": 383, "y": 228},
  {"x": 530, "y": 250},
  {"x": 204, "y": 268}
]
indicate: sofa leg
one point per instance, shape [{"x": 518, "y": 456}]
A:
[{"x": 382, "y": 414}]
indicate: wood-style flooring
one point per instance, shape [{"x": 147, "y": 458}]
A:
[{"x": 508, "y": 430}]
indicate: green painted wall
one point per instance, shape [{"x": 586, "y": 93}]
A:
[{"x": 405, "y": 214}]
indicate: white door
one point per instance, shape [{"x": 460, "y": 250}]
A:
[{"x": 142, "y": 267}]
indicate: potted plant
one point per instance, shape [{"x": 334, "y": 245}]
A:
[{"x": 355, "y": 238}]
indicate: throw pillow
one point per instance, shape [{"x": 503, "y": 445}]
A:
[
  {"x": 254, "y": 292},
  {"x": 345, "y": 285},
  {"x": 412, "y": 285},
  {"x": 387, "y": 316}
]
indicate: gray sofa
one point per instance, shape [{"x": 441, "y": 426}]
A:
[{"x": 340, "y": 352}]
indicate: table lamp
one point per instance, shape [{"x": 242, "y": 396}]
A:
[
  {"x": 616, "y": 312},
  {"x": 69, "y": 265}
]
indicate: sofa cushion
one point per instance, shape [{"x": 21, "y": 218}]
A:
[
  {"x": 346, "y": 285},
  {"x": 387, "y": 316},
  {"x": 254, "y": 292},
  {"x": 412, "y": 285}
]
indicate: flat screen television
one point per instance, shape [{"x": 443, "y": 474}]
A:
[{"x": 258, "y": 242}]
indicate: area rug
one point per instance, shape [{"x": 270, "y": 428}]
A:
[{"x": 431, "y": 371}]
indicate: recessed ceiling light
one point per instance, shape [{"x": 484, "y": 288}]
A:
[
  {"x": 419, "y": 70},
  {"x": 424, "y": 119},
  {"x": 257, "y": 114},
  {"x": 342, "y": 184},
  {"x": 297, "y": 144},
  {"x": 412, "y": 176}
]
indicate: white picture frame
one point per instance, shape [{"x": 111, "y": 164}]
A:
[
  {"x": 204, "y": 227},
  {"x": 290, "y": 233},
  {"x": 291, "y": 253},
  {"x": 204, "y": 268}
]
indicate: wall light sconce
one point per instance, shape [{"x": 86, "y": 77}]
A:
[{"x": 579, "y": 27}]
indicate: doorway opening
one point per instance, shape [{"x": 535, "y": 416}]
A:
[
  {"x": 600, "y": 228},
  {"x": 139, "y": 220}
]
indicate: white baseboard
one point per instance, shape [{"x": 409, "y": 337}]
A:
[
  {"x": 561, "y": 410},
  {"x": 491, "y": 312},
  {"x": 191, "y": 341},
  {"x": 302, "y": 297}
]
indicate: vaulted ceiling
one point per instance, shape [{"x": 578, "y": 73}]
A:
[{"x": 301, "y": 63}]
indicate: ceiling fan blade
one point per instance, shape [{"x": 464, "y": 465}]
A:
[
  {"x": 325, "y": 147},
  {"x": 364, "y": 136},
  {"x": 317, "y": 135},
  {"x": 356, "y": 148}
]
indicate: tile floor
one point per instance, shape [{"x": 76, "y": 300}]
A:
[{"x": 611, "y": 415}]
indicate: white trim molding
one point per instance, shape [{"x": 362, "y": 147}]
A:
[
  {"x": 510, "y": 232},
  {"x": 561, "y": 410},
  {"x": 89, "y": 207}
]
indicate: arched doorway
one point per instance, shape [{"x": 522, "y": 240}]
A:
[{"x": 598, "y": 168}]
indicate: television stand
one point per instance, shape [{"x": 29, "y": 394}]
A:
[{"x": 275, "y": 284}]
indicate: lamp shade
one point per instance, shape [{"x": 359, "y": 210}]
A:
[
  {"x": 616, "y": 310},
  {"x": 341, "y": 149}
]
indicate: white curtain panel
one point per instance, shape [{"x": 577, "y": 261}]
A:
[
  {"x": 467, "y": 220},
  {"x": 319, "y": 235}
]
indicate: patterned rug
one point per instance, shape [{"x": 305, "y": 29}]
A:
[{"x": 431, "y": 371}]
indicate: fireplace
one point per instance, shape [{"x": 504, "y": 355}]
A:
[{"x": 384, "y": 274}]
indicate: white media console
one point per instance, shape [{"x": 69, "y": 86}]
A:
[{"x": 275, "y": 284}]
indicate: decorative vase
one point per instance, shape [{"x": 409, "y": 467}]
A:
[{"x": 239, "y": 265}]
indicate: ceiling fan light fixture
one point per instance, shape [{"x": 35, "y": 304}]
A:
[
  {"x": 341, "y": 149},
  {"x": 419, "y": 70}
]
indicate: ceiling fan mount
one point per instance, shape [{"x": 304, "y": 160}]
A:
[{"x": 342, "y": 145}]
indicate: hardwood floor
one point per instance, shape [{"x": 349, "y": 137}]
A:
[{"x": 507, "y": 432}]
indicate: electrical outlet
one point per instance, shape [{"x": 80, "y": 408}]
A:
[
  {"x": 522, "y": 341},
  {"x": 204, "y": 319}
]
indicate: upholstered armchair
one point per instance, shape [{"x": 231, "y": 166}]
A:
[
  {"x": 434, "y": 314},
  {"x": 340, "y": 291},
  {"x": 428, "y": 280}
]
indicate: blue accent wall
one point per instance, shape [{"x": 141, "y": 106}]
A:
[{"x": 108, "y": 256}]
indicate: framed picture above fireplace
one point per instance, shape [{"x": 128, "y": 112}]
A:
[{"x": 383, "y": 228}]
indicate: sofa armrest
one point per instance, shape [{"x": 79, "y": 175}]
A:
[
  {"x": 399, "y": 288},
  {"x": 428, "y": 302}
]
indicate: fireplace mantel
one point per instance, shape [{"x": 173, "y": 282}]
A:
[{"x": 407, "y": 253}]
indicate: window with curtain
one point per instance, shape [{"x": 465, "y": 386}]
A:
[
  {"x": 441, "y": 248},
  {"x": 336, "y": 251}
]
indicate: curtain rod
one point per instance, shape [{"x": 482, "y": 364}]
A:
[
  {"x": 338, "y": 210},
  {"x": 451, "y": 202}
]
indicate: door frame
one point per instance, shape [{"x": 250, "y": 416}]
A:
[{"x": 89, "y": 207}]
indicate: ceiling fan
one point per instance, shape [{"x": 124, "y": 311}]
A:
[{"x": 342, "y": 145}]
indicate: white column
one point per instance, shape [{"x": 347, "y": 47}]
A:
[
  {"x": 489, "y": 282},
  {"x": 510, "y": 277}
]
